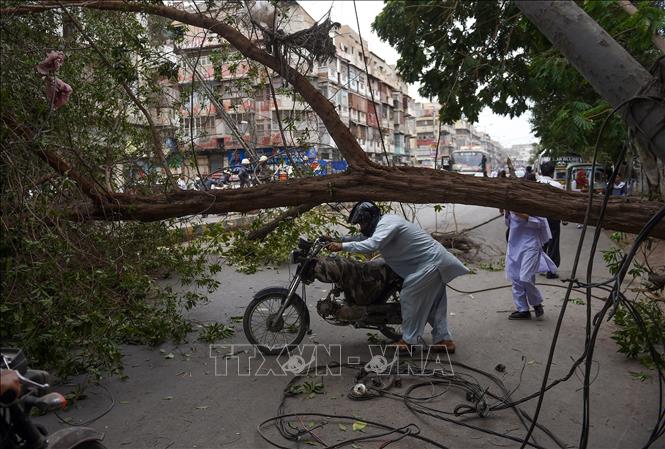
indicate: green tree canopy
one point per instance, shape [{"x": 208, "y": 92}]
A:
[{"x": 475, "y": 54}]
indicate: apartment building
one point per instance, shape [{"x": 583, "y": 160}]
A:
[
  {"x": 232, "y": 98},
  {"x": 468, "y": 138},
  {"x": 430, "y": 132},
  {"x": 436, "y": 140}
]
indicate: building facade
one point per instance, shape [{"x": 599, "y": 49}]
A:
[
  {"x": 224, "y": 108},
  {"x": 437, "y": 141},
  {"x": 230, "y": 112}
]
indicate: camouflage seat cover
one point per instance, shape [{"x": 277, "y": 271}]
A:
[{"x": 362, "y": 282}]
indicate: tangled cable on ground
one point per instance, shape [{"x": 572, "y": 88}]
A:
[{"x": 480, "y": 401}]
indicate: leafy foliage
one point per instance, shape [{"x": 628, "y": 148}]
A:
[
  {"x": 633, "y": 340},
  {"x": 634, "y": 335},
  {"x": 472, "y": 54},
  {"x": 498, "y": 265},
  {"x": 213, "y": 332},
  {"x": 310, "y": 388},
  {"x": 248, "y": 255},
  {"x": 74, "y": 291},
  {"x": 71, "y": 296}
]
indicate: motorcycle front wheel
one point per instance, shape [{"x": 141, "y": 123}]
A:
[{"x": 272, "y": 334}]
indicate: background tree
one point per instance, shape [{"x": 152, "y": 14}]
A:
[
  {"x": 471, "y": 55},
  {"x": 73, "y": 291}
]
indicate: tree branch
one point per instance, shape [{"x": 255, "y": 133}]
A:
[
  {"x": 266, "y": 229},
  {"x": 346, "y": 143},
  {"x": 365, "y": 179},
  {"x": 56, "y": 162},
  {"x": 657, "y": 40},
  {"x": 405, "y": 184},
  {"x": 156, "y": 141}
]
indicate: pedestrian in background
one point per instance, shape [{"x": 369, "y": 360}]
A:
[
  {"x": 263, "y": 172},
  {"x": 182, "y": 182},
  {"x": 524, "y": 258},
  {"x": 619, "y": 188},
  {"x": 528, "y": 171},
  {"x": 551, "y": 248},
  {"x": 243, "y": 174},
  {"x": 483, "y": 165}
]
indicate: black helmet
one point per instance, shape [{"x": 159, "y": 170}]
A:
[{"x": 367, "y": 215}]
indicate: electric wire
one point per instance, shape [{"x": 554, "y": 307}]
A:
[
  {"x": 90, "y": 420},
  {"x": 587, "y": 365},
  {"x": 590, "y": 338},
  {"x": 475, "y": 393},
  {"x": 371, "y": 92},
  {"x": 615, "y": 298}
]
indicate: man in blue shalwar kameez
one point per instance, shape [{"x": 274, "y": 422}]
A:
[
  {"x": 424, "y": 264},
  {"x": 524, "y": 258}
]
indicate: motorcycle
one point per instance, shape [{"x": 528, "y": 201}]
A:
[
  {"x": 364, "y": 295},
  {"x": 18, "y": 431}
]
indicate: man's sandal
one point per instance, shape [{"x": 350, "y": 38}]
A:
[{"x": 443, "y": 346}]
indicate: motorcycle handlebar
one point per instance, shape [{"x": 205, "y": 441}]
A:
[
  {"x": 31, "y": 378},
  {"x": 32, "y": 383}
]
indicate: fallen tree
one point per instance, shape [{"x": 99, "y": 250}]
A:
[
  {"x": 405, "y": 184},
  {"x": 69, "y": 265},
  {"x": 364, "y": 178}
]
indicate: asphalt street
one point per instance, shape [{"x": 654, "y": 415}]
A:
[{"x": 190, "y": 396}]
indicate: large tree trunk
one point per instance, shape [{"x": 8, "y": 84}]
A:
[
  {"x": 406, "y": 184},
  {"x": 607, "y": 66},
  {"x": 365, "y": 180}
]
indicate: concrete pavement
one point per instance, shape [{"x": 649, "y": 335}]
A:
[{"x": 179, "y": 402}]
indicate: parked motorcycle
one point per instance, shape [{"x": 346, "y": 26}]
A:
[
  {"x": 364, "y": 295},
  {"x": 18, "y": 431}
]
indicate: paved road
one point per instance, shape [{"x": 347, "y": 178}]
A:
[{"x": 179, "y": 402}]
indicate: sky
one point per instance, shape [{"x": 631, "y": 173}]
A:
[{"x": 505, "y": 130}]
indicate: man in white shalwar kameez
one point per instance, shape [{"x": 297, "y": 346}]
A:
[
  {"x": 524, "y": 258},
  {"x": 424, "y": 264}
]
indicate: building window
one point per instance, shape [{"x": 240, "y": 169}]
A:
[{"x": 198, "y": 127}]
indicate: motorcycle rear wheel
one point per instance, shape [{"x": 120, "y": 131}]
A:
[{"x": 260, "y": 312}]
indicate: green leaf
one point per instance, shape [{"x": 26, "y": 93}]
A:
[
  {"x": 641, "y": 375},
  {"x": 359, "y": 426}
]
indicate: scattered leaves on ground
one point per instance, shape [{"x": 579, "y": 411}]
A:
[
  {"x": 359, "y": 426},
  {"x": 213, "y": 332}
]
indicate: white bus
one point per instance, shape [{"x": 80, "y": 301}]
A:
[{"x": 472, "y": 161}]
